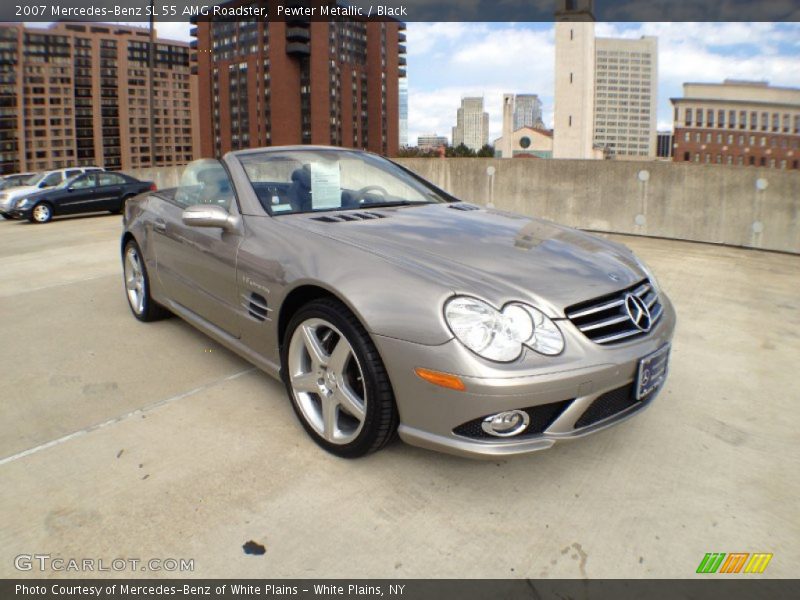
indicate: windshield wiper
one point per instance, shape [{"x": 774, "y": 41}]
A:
[{"x": 392, "y": 203}]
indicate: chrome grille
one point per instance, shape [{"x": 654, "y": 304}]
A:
[{"x": 605, "y": 320}]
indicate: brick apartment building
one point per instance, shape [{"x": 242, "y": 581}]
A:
[
  {"x": 78, "y": 94},
  {"x": 299, "y": 82},
  {"x": 738, "y": 123}
]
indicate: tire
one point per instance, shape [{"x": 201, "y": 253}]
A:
[
  {"x": 341, "y": 394},
  {"x": 137, "y": 285},
  {"x": 41, "y": 213}
]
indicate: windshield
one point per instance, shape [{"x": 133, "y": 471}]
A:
[
  {"x": 68, "y": 182},
  {"x": 297, "y": 181},
  {"x": 13, "y": 181},
  {"x": 35, "y": 178}
]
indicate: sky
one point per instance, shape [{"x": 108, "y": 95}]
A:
[{"x": 449, "y": 60}]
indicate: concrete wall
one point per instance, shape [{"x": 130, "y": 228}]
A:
[{"x": 716, "y": 204}]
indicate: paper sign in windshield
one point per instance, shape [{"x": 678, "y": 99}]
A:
[{"x": 326, "y": 185}]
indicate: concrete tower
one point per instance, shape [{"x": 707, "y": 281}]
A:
[
  {"x": 574, "y": 74},
  {"x": 506, "y": 145}
]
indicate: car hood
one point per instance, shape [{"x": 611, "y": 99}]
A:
[
  {"x": 18, "y": 192},
  {"x": 496, "y": 255}
]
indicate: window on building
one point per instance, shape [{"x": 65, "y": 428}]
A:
[
  {"x": 731, "y": 119},
  {"x": 710, "y": 118},
  {"x": 687, "y": 156},
  {"x": 699, "y": 119},
  {"x": 688, "y": 117},
  {"x": 721, "y": 118},
  {"x": 742, "y": 119}
]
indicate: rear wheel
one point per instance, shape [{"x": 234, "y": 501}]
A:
[
  {"x": 137, "y": 285},
  {"x": 41, "y": 213},
  {"x": 336, "y": 380}
]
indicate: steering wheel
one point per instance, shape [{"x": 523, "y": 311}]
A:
[{"x": 359, "y": 195}]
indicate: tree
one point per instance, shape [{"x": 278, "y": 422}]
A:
[
  {"x": 460, "y": 151},
  {"x": 487, "y": 151}
]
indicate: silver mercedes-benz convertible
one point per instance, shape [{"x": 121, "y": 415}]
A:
[{"x": 386, "y": 305}]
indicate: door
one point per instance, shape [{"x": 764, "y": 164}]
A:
[
  {"x": 197, "y": 265},
  {"x": 110, "y": 189},
  {"x": 79, "y": 196}
]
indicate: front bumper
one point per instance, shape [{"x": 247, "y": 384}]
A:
[
  {"x": 18, "y": 213},
  {"x": 587, "y": 389}
]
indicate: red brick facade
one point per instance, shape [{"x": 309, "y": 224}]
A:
[{"x": 329, "y": 83}]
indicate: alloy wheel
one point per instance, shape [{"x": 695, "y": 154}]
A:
[
  {"x": 327, "y": 381},
  {"x": 41, "y": 213},
  {"x": 134, "y": 280}
]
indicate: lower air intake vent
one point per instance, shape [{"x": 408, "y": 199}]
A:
[{"x": 607, "y": 405}]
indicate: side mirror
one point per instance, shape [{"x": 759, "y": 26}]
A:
[{"x": 209, "y": 215}]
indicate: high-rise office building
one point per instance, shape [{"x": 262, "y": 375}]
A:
[
  {"x": 79, "y": 94},
  {"x": 626, "y": 94},
  {"x": 748, "y": 123},
  {"x": 431, "y": 141},
  {"x": 299, "y": 82},
  {"x": 527, "y": 111},
  {"x": 403, "y": 109},
  {"x": 472, "y": 124}
]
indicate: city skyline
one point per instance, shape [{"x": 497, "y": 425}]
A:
[{"x": 447, "y": 61}]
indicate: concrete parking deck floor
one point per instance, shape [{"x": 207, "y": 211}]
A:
[{"x": 125, "y": 440}]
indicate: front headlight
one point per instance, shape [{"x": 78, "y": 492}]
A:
[
  {"x": 500, "y": 335},
  {"x": 648, "y": 273},
  {"x": 21, "y": 202}
]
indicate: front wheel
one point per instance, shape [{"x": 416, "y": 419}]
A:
[
  {"x": 336, "y": 380},
  {"x": 137, "y": 285},
  {"x": 41, "y": 213}
]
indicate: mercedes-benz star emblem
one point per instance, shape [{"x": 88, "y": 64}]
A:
[{"x": 638, "y": 312}]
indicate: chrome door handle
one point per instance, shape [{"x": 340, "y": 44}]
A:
[{"x": 160, "y": 226}]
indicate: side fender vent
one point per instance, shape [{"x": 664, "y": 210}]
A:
[{"x": 257, "y": 307}]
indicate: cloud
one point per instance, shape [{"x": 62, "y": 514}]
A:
[
  {"x": 475, "y": 59},
  {"x": 457, "y": 59}
]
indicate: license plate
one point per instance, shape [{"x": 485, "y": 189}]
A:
[{"x": 652, "y": 372}]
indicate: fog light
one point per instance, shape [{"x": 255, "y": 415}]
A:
[{"x": 506, "y": 424}]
